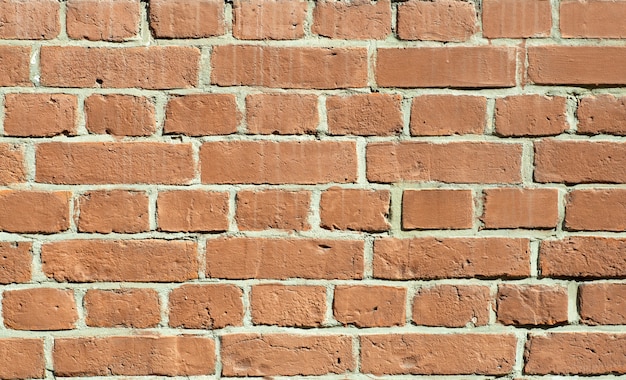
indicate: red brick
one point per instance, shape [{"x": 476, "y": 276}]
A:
[
  {"x": 370, "y": 306},
  {"x": 573, "y": 353},
  {"x": 106, "y": 211},
  {"x": 288, "y": 305},
  {"x": 155, "y": 67},
  {"x": 202, "y": 114},
  {"x": 270, "y": 162},
  {"x": 452, "y": 306},
  {"x": 15, "y": 262},
  {"x": 521, "y": 208},
  {"x": 456, "y": 162},
  {"x": 12, "y": 169},
  {"x": 283, "y": 114},
  {"x": 442, "y": 20},
  {"x": 596, "y": 210},
  {"x": 120, "y": 260},
  {"x": 531, "y": 115},
  {"x": 583, "y": 257},
  {"x": 114, "y": 162},
  {"x": 287, "y": 355},
  {"x": 274, "y": 258},
  {"x": 273, "y": 209},
  {"x": 206, "y": 306},
  {"x": 603, "y": 162},
  {"x": 434, "y": 354},
  {"x": 183, "y": 355},
  {"x": 355, "y": 209},
  {"x": 435, "y": 258},
  {"x": 40, "y": 115},
  {"x": 103, "y": 20},
  {"x": 135, "y": 308},
  {"x": 437, "y": 209},
  {"x": 21, "y": 358},
  {"x": 289, "y": 67},
  {"x": 39, "y": 309},
  {"x": 577, "y": 65},
  {"x": 602, "y": 114},
  {"x": 355, "y": 20},
  {"x": 186, "y": 18},
  {"x": 476, "y": 66},
  {"x": 120, "y": 115},
  {"x": 34, "y": 211},
  {"x": 532, "y": 305},
  {"x": 516, "y": 18},
  {"x": 15, "y": 63},
  {"x": 602, "y": 304},
  {"x": 592, "y": 19},
  {"x": 365, "y": 115},
  {"x": 192, "y": 211},
  {"x": 269, "y": 19},
  {"x": 29, "y": 20},
  {"x": 437, "y": 115}
]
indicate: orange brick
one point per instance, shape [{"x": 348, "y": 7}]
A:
[
  {"x": 357, "y": 19},
  {"x": 273, "y": 209},
  {"x": 592, "y": 19},
  {"x": 186, "y": 18},
  {"x": 283, "y": 114},
  {"x": 183, "y": 355},
  {"x": 289, "y": 67},
  {"x": 243, "y": 258},
  {"x": 202, "y": 114},
  {"x": 103, "y": 20},
  {"x": 397, "y": 354},
  {"x": 192, "y": 211},
  {"x": 270, "y": 162},
  {"x": 596, "y": 210},
  {"x": 460, "y": 162},
  {"x": 602, "y": 304},
  {"x": 135, "y": 308},
  {"x": 286, "y": 355},
  {"x": 452, "y": 306},
  {"x": 370, "y": 306},
  {"x": 22, "y": 358},
  {"x": 113, "y": 211},
  {"x": 120, "y": 115},
  {"x": 269, "y": 19},
  {"x": 531, "y": 115},
  {"x": 154, "y": 67},
  {"x": 365, "y": 115},
  {"x": 288, "y": 305},
  {"x": 521, "y": 208},
  {"x": 34, "y": 211},
  {"x": 15, "y": 70},
  {"x": 30, "y": 20},
  {"x": 602, "y": 114},
  {"x": 446, "y": 67},
  {"x": 437, "y": 209},
  {"x": 532, "y": 305},
  {"x": 355, "y": 209},
  {"x": 12, "y": 169},
  {"x": 15, "y": 262},
  {"x": 441, "y": 20},
  {"x": 442, "y": 115},
  {"x": 435, "y": 258},
  {"x": 120, "y": 260},
  {"x": 40, "y": 115},
  {"x": 206, "y": 306},
  {"x": 516, "y": 18},
  {"x": 39, "y": 309},
  {"x": 114, "y": 162}
]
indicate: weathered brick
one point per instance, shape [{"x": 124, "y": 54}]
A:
[
  {"x": 370, "y": 306},
  {"x": 39, "y": 309},
  {"x": 437, "y": 209},
  {"x": 135, "y": 308},
  {"x": 598, "y": 114},
  {"x": 269, "y": 19},
  {"x": 15, "y": 66},
  {"x": 521, "y": 208},
  {"x": 12, "y": 168},
  {"x": 441, "y": 20},
  {"x": 30, "y": 20},
  {"x": 103, "y": 20},
  {"x": 273, "y": 209},
  {"x": 211, "y": 306},
  {"x": 596, "y": 210},
  {"x": 34, "y": 211},
  {"x": 532, "y": 305},
  {"x": 15, "y": 262},
  {"x": 452, "y": 306},
  {"x": 355, "y": 209},
  {"x": 202, "y": 114},
  {"x": 192, "y": 211},
  {"x": 357, "y": 19},
  {"x": 592, "y": 19},
  {"x": 283, "y": 114},
  {"x": 531, "y": 115},
  {"x": 288, "y": 305},
  {"x": 21, "y": 358},
  {"x": 120, "y": 115},
  {"x": 365, "y": 115},
  {"x": 442, "y": 115},
  {"x": 186, "y": 18},
  {"x": 40, "y": 115},
  {"x": 106, "y": 211},
  {"x": 602, "y": 303},
  {"x": 516, "y": 18}
]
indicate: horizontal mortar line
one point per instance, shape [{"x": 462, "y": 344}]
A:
[{"x": 351, "y": 376}]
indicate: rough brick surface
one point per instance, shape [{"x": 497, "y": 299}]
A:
[
  {"x": 602, "y": 114},
  {"x": 354, "y": 209},
  {"x": 434, "y": 209},
  {"x": 39, "y": 309},
  {"x": 602, "y": 304},
  {"x": 40, "y": 115},
  {"x": 452, "y": 306},
  {"x": 186, "y": 18},
  {"x": 273, "y": 209},
  {"x": 583, "y": 257},
  {"x": 30, "y": 20},
  {"x": 108, "y": 20},
  {"x": 369, "y": 306},
  {"x": 436, "y": 115},
  {"x": 596, "y": 210},
  {"x": 531, "y": 115},
  {"x": 532, "y": 305},
  {"x": 442, "y": 20},
  {"x": 520, "y": 208},
  {"x": 15, "y": 66},
  {"x": 288, "y": 305},
  {"x": 359, "y": 19},
  {"x": 15, "y": 262},
  {"x": 592, "y": 19},
  {"x": 120, "y": 115},
  {"x": 192, "y": 211},
  {"x": 197, "y": 115},
  {"x": 34, "y": 211},
  {"x": 206, "y": 306},
  {"x": 516, "y": 18},
  {"x": 364, "y": 115},
  {"x": 12, "y": 169},
  {"x": 283, "y": 114},
  {"x": 273, "y": 19},
  {"x": 113, "y": 211},
  {"x": 138, "y": 308},
  {"x": 21, "y": 358}
]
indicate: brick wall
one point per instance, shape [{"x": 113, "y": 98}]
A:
[{"x": 337, "y": 189}]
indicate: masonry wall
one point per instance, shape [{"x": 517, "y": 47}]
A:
[{"x": 349, "y": 190}]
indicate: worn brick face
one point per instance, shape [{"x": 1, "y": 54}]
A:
[{"x": 288, "y": 305}]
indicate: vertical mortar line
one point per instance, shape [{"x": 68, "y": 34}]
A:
[
  {"x": 534, "y": 258},
  {"x": 562, "y": 202},
  {"x": 152, "y": 208},
  {"x": 160, "y": 105},
  {"x": 573, "y": 317},
  {"x": 240, "y": 99},
  {"x": 493, "y": 297},
  {"x": 478, "y": 196},
  {"x": 308, "y": 19},
  {"x": 202, "y": 258},
  {"x": 2, "y": 326},
  {"x": 34, "y": 66},
  {"x": 81, "y": 117},
  {"x": 164, "y": 295},
  {"x": 518, "y": 368},
  {"x": 195, "y": 146},
  {"x": 38, "y": 274},
  {"x": 395, "y": 210},
  {"x": 74, "y": 211},
  {"x": 361, "y": 147},
  {"x": 218, "y": 356},
  {"x": 322, "y": 126},
  {"x": 372, "y": 54},
  {"x": 528, "y": 162},
  {"x": 48, "y": 348},
  {"x": 490, "y": 121},
  {"x": 368, "y": 257},
  {"x": 314, "y": 216},
  {"x": 411, "y": 291},
  {"x": 406, "y": 116},
  {"x": 571, "y": 114},
  {"x": 29, "y": 160},
  {"x": 204, "y": 72},
  {"x": 356, "y": 353},
  {"x": 228, "y": 19},
  {"x": 247, "y": 309},
  {"x": 394, "y": 19},
  {"x": 2, "y": 110},
  {"x": 329, "y": 316},
  {"x": 144, "y": 25},
  {"x": 555, "y": 31},
  {"x": 79, "y": 297},
  {"x": 63, "y": 18},
  {"x": 232, "y": 210}
]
